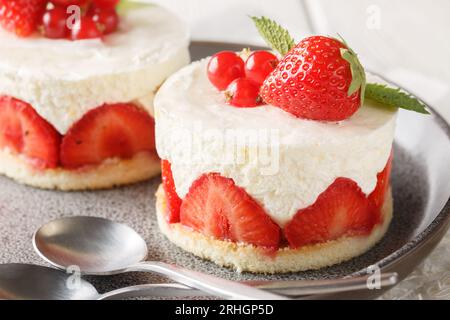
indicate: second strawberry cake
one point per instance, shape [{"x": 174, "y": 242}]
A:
[{"x": 76, "y": 101}]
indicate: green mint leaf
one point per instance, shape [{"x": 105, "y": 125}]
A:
[
  {"x": 126, "y": 5},
  {"x": 394, "y": 98},
  {"x": 358, "y": 73},
  {"x": 275, "y": 36}
]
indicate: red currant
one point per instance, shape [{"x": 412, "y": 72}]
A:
[
  {"x": 55, "y": 23},
  {"x": 107, "y": 18},
  {"x": 106, "y": 3},
  {"x": 66, "y": 3},
  {"x": 243, "y": 92},
  {"x": 86, "y": 28},
  {"x": 224, "y": 67},
  {"x": 259, "y": 65}
]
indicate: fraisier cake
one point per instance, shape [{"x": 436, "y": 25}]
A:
[
  {"x": 76, "y": 104},
  {"x": 277, "y": 163}
]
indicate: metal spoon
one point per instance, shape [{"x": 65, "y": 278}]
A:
[
  {"x": 29, "y": 282},
  {"x": 99, "y": 246},
  {"x": 32, "y": 282}
]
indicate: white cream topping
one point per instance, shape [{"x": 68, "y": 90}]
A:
[
  {"x": 193, "y": 124},
  {"x": 64, "y": 79}
]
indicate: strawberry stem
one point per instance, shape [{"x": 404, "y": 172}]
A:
[{"x": 358, "y": 73}]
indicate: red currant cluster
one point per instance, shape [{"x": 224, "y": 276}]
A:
[
  {"x": 94, "y": 19},
  {"x": 241, "y": 80}
]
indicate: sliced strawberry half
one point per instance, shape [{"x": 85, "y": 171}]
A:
[
  {"x": 23, "y": 131},
  {"x": 21, "y": 16},
  {"x": 340, "y": 210},
  {"x": 110, "y": 131},
  {"x": 173, "y": 200},
  {"x": 377, "y": 197},
  {"x": 216, "y": 207}
]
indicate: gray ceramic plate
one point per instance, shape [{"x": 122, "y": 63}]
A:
[{"x": 421, "y": 186}]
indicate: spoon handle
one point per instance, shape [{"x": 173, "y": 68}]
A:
[
  {"x": 293, "y": 289},
  {"x": 207, "y": 283},
  {"x": 153, "y": 290}
]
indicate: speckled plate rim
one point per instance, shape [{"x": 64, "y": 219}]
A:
[{"x": 440, "y": 223}]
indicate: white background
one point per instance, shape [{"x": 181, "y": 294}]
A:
[{"x": 407, "y": 41}]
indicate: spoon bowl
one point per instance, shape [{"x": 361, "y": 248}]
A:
[
  {"x": 31, "y": 282},
  {"x": 96, "y": 246}
]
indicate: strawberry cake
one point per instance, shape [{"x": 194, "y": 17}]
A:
[
  {"x": 77, "y": 83},
  {"x": 275, "y": 162}
]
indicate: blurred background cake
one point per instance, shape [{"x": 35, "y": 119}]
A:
[{"x": 76, "y": 100}]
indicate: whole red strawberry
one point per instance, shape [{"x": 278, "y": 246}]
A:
[
  {"x": 21, "y": 16},
  {"x": 319, "y": 79}
]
